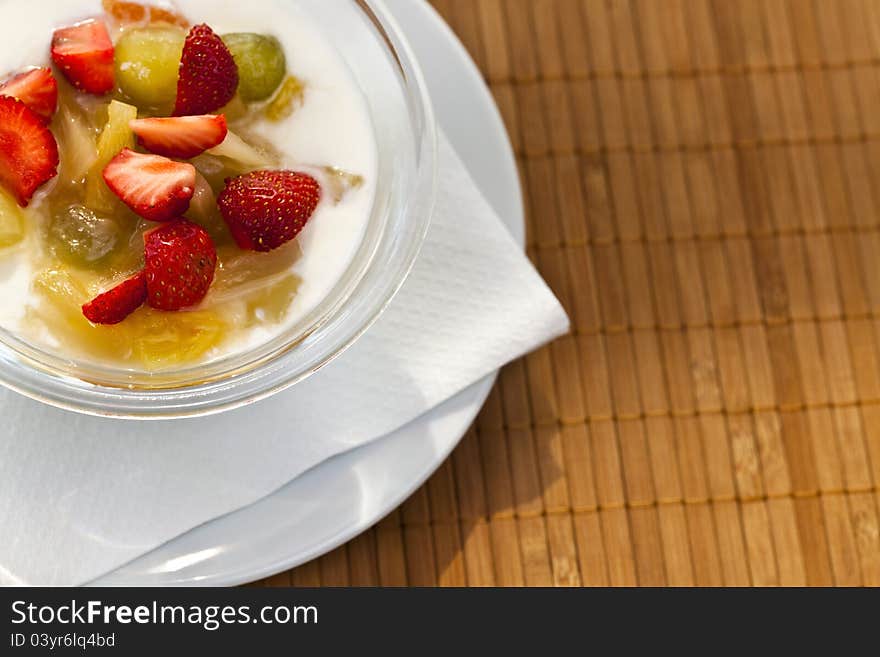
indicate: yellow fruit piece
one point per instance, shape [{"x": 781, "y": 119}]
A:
[
  {"x": 151, "y": 339},
  {"x": 160, "y": 340},
  {"x": 116, "y": 136},
  {"x": 77, "y": 144},
  {"x": 254, "y": 288},
  {"x": 12, "y": 221},
  {"x": 59, "y": 307},
  {"x": 249, "y": 157},
  {"x": 272, "y": 302},
  {"x": 61, "y": 288},
  {"x": 339, "y": 182},
  {"x": 242, "y": 272},
  {"x": 289, "y": 97},
  {"x": 147, "y": 61}
]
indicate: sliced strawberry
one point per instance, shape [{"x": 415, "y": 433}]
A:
[
  {"x": 208, "y": 76},
  {"x": 266, "y": 209},
  {"x": 116, "y": 304},
  {"x": 180, "y": 263},
  {"x": 84, "y": 53},
  {"x": 28, "y": 151},
  {"x": 182, "y": 137},
  {"x": 37, "y": 89},
  {"x": 154, "y": 187}
]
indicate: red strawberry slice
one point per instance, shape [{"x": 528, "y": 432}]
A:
[
  {"x": 182, "y": 137},
  {"x": 154, "y": 187},
  {"x": 84, "y": 53},
  {"x": 180, "y": 263},
  {"x": 208, "y": 76},
  {"x": 266, "y": 209},
  {"x": 28, "y": 151},
  {"x": 116, "y": 304},
  {"x": 37, "y": 89}
]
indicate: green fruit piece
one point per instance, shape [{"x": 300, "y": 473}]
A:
[
  {"x": 261, "y": 64},
  {"x": 11, "y": 221},
  {"x": 147, "y": 65},
  {"x": 83, "y": 238},
  {"x": 288, "y": 99},
  {"x": 116, "y": 136}
]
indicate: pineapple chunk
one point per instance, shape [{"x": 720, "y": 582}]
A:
[
  {"x": 12, "y": 221},
  {"x": 271, "y": 303},
  {"x": 289, "y": 97},
  {"x": 60, "y": 297},
  {"x": 160, "y": 340},
  {"x": 77, "y": 141},
  {"x": 151, "y": 339},
  {"x": 116, "y": 136},
  {"x": 237, "y": 149},
  {"x": 242, "y": 272}
]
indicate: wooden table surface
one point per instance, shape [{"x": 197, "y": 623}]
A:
[{"x": 702, "y": 185}]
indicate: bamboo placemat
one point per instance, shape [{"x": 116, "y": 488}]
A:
[{"x": 702, "y": 183}]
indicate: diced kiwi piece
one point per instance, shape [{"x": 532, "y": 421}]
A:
[
  {"x": 147, "y": 65},
  {"x": 116, "y": 136},
  {"x": 261, "y": 64}
]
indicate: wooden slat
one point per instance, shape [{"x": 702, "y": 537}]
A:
[{"x": 702, "y": 194}]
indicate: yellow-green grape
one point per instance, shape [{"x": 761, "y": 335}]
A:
[
  {"x": 83, "y": 238},
  {"x": 147, "y": 65},
  {"x": 11, "y": 221},
  {"x": 116, "y": 136},
  {"x": 287, "y": 99},
  {"x": 261, "y": 64}
]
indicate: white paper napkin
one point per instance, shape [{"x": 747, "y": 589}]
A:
[{"x": 81, "y": 496}]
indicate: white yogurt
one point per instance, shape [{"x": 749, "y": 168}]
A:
[{"x": 332, "y": 128}]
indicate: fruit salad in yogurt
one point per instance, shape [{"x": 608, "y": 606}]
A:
[{"x": 178, "y": 182}]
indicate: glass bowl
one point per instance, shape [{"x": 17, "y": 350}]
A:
[{"x": 383, "y": 65}]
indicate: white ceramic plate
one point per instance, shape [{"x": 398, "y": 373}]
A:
[{"x": 346, "y": 495}]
